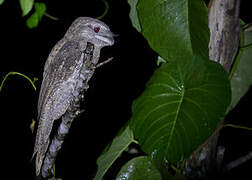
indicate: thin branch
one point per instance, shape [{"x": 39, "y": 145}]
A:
[
  {"x": 51, "y": 17},
  {"x": 238, "y": 162},
  {"x": 247, "y": 27},
  {"x": 104, "y": 62}
]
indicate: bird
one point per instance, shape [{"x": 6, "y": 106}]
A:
[{"x": 62, "y": 71}]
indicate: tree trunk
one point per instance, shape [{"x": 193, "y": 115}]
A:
[
  {"x": 224, "y": 27},
  {"x": 224, "y": 42}
]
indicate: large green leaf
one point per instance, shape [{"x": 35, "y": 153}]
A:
[
  {"x": 119, "y": 144},
  {"x": 180, "y": 107},
  {"x": 242, "y": 71},
  {"x": 140, "y": 168},
  {"x": 174, "y": 28}
]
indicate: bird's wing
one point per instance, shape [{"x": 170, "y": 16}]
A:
[
  {"x": 56, "y": 93},
  {"x": 59, "y": 66}
]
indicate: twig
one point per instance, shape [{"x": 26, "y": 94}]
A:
[
  {"x": 237, "y": 162},
  {"x": 51, "y": 17},
  {"x": 104, "y": 62},
  {"x": 247, "y": 27}
]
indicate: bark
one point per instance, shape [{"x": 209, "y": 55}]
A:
[
  {"x": 224, "y": 42},
  {"x": 224, "y": 27},
  {"x": 238, "y": 162}
]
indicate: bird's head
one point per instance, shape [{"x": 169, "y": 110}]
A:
[{"x": 92, "y": 30}]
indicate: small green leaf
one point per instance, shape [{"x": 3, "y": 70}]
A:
[
  {"x": 180, "y": 107},
  {"x": 175, "y": 28},
  {"x": 26, "y": 6},
  {"x": 32, "y": 21},
  {"x": 40, "y": 9},
  {"x": 35, "y": 79},
  {"x": 119, "y": 144},
  {"x": 241, "y": 78},
  {"x": 1, "y": 2},
  {"x": 139, "y": 168},
  {"x": 133, "y": 14}
]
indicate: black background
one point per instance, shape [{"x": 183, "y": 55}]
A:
[{"x": 108, "y": 100}]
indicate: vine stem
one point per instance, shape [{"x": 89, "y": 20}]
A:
[
  {"x": 237, "y": 126},
  {"x": 51, "y": 17},
  {"x": 105, "y": 11},
  {"x": 20, "y": 74}
]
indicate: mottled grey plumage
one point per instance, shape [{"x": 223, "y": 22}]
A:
[{"x": 62, "y": 74}]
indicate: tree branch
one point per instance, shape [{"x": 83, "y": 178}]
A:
[
  {"x": 224, "y": 42},
  {"x": 238, "y": 162},
  {"x": 224, "y": 27}
]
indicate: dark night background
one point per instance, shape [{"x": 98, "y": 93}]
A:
[{"x": 108, "y": 100}]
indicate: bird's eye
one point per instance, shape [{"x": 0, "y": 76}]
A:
[{"x": 96, "y": 29}]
